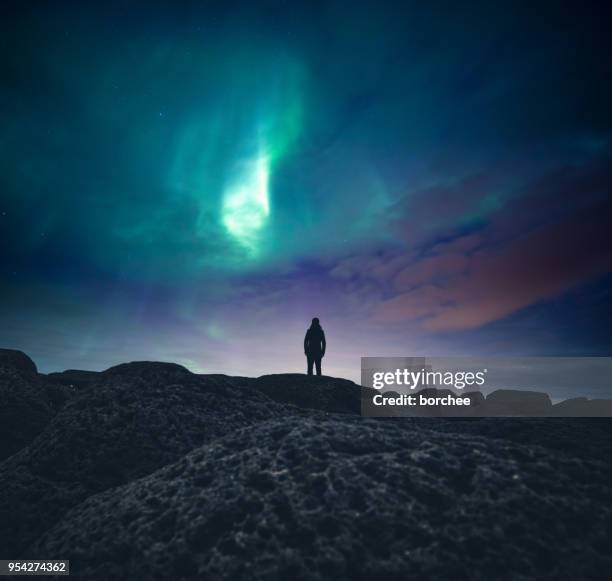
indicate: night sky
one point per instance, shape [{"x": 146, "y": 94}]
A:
[{"x": 194, "y": 183}]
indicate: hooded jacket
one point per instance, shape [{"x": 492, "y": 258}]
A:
[{"x": 314, "y": 342}]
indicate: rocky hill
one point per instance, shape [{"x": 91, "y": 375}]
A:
[
  {"x": 148, "y": 471},
  {"x": 27, "y": 401}
]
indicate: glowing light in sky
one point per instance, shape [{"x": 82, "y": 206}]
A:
[{"x": 246, "y": 203}]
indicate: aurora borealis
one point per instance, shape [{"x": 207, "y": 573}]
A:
[{"x": 194, "y": 183}]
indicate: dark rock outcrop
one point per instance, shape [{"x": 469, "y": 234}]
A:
[
  {"x": 347, "y": 498},
  {"x": 25, "y": 410},
  {"x": 148, "y": 471},
  {"x": 323, "y": 393},
  {"x": 513, "y": 402},
  {"x": 17, "y": 360},
  {"x": 137, "y": 418},
  {"x": 583, "y": 407},
  {"x": 570, "y": 407},
  {"x": 74, "y": 378},
  {"x": 155, "y": 370},
  {"x": 27, "y": 401}
]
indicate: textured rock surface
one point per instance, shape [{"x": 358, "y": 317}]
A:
[
  {"x": 74, "y": 378},
  {"x": 347, "y": 498},
  {"x": 17, "y": 360},
  {"x": 151, "y": 472},
  {"x": 327, "y": 394},
  {"x": 25, "y": 409},
  {"x": 27, "y": 401},
  {"x": 137, "y": 418}
]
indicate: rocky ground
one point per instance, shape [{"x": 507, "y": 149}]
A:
[{"x": 147, "y": 471}]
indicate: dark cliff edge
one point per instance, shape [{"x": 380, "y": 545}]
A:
[{"x": 148, "y": 471}]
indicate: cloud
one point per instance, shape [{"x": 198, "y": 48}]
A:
[
  {"x": 491, "y": 284},
  {"x": 434, "y": 267},
  {"x": 427, "y": 212},
  {"x": 538, "y": 247}
]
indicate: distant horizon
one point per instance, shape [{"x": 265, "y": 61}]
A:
[{"x": 557, "y": 394}]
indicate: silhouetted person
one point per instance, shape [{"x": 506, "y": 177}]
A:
[{"x": 314, "y": 346}]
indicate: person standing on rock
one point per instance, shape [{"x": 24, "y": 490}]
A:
[{"x": 314, "y": 346}]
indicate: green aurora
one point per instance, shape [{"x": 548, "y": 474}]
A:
[{"x": 195, "y": 182}]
